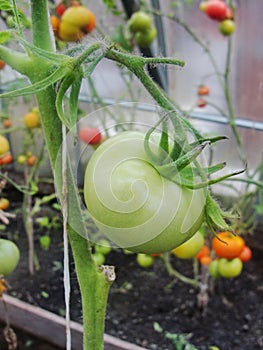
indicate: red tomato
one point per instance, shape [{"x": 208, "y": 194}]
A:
[
  {"x": 227, "y": 245},
  {"x": 6, "y": 159},
  {"x": 246, "y": 254},
  {"x": 60, "y": 9},
  {"x": 216, "y": 9},
  {"x": 91, "y": 136}
]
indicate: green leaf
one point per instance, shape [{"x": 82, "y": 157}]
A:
[
  {"x": 39, "y": 86},
  {"x": 5, "y": 36},
  {"x": 5, "y": 5}
]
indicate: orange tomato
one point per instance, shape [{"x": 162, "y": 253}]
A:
[
  {"x": 6, "y": 159},
  {"x": 246, "y": 254},
  {"x": 92, "y": 22},
  {"x": 205, "y": 260},
  {"x": 203, "y": 90},
  {"x": 32, "y": 120},
  {"x": 31, "y": 160},
  {"x": 4, "y": 203},
  {"x": 228, "y": 245},
  {"x": 205, "y": 251},
  {"x": 55, "y": 21},
  {"x": 7, "y": 123}
]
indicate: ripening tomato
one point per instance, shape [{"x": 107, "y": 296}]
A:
[
  {"x": 201, "y": 102},
  {"x": 227, "y": 27},
  {"x": 203, "y": 5},
  {"x": 203, "y": 90},
  {"x": 205, "y": 260},
  {"x": 9, "y": 256},
  {"x": 31, "y": 160},
  {"x": 190, "y": 248},
  {"x": 145, "y": 39},
  {"x": 92, "y": 22},
  {"x": 205, "y": 251},
  {"x": 32, "y": 120},
  {"x": 132, "y": 204},
  {"x": 4, "y": 203},
  {"x": 230, "y": 268},
  {"x": 6, "y": 159},
  {"x": 4, "y": 145},
  {"x": 228, "y": 245},
  {"x": 54, "y": 21},
  {"x": 140, "y": 22},
  {"x": 91, "y": 136},
  {"x": 246, "y": 254},
  {"x": 21, "y": 159},
  {"x": 216, "y": 9},
  {"x": 7, "y": 123}
]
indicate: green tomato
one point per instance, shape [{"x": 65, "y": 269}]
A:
[
  {"x": 132, "y": 204},
  {"x": 99, "y": 258},
  {"x": 103, "y": 247},
  {"x": 190, "y": 248},
  {"x": 140, "y": 22},
  {"x": 227, "y": 27},
  {"x": 213, "y": 269},
  {"x": 145, "y": 39},
  {"x": 9, "y": 256},
  {"x": 145, "y": 260},
  {"x": 45, "y": 242},
  {"x": 230, "y": 268}
]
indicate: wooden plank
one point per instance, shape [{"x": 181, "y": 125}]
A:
[{"x": 51, "y": 327}]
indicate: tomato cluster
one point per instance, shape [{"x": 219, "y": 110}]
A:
[
  {"x": 228, "y": 254},
  {"x": 72, "y": 23},
  {"x": 140, "y": 25},
  {"x": 219, "y": 11}
]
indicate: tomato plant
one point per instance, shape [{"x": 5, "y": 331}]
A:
[
  {"x": 230, "y": 268},
  {"x": 227, "y": 245},
  {"x": 190, "y": 248},
  {"x": 227, "y": 27},
  {"x": 9, "y": 256},
  {"x": 134, "y": 208}
]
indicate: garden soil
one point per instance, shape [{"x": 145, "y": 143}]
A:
[{"x": 146, "y": 306}]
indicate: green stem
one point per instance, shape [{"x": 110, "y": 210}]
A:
[
  {"x": 94, "y": 284},
  {"x": 172, "y": 272}
]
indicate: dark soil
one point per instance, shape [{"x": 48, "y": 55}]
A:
[{"x": 141, "y": 297}]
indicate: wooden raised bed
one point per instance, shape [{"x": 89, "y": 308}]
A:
[{"x": 50, "y": 327}]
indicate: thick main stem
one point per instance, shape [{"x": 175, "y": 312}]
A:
[{"x": 94, "y": 285}]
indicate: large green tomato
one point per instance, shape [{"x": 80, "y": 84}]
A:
[
  {"x": 132, "y": 204},
  {"x": 9, "y": 256},
  {"x": 191, "y": 247}
]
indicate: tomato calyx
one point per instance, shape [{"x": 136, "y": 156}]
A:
[{"x": 176, "y": 159}]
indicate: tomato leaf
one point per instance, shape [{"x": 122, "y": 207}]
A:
[
  {"x": 5, "y": 36},
  {"x": 39, "y": 86}
]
